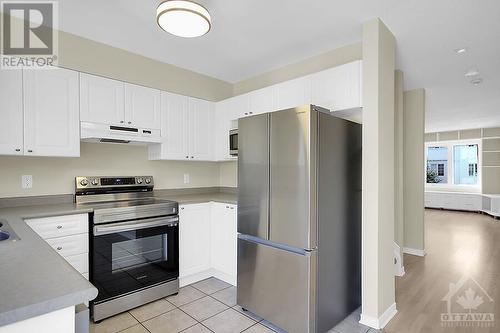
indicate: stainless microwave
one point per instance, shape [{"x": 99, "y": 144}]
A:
[{"x": 233, "y": 142}]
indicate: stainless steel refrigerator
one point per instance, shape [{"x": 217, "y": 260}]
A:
[{"x": 299, "y": 218}]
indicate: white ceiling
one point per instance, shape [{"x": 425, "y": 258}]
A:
[{"x": 252, "y": 37}]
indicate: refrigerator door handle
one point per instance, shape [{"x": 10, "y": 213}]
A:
[{"x": 279, "y": 246}]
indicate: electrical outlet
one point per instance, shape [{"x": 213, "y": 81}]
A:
[
  {"x": 186, "y": 178},
  {"x": 26, "y": 181}
]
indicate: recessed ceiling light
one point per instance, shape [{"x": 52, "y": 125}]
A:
[
  {"x": 183, "y": 18},
  {"x": 471, "y": 72},
  {"x": 461, "y": 50},
  {"x": 477, "y": 81}
]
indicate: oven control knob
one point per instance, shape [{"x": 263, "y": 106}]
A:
[
  {"x": 139, "y": 180},
  {"x": 148, "y": 180},
  {"x": 84, "y": 182},
  {"x": 95, "y": 182}
]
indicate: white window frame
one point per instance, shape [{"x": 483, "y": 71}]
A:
[{"x": 451, "y": 186}]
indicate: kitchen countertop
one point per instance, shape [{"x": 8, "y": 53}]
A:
[{"x": 35, "y": 279}]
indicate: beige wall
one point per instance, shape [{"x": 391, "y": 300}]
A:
[
  {"x": 414, "y": 168},
  {"x": 56, "y": 175},
  {"x": 378, "y": 289},
  {"x": 88, "y": 56},
  {"x": 228, "y": 174},
  {"x": 399, "y": 160},
  {"x": 315, "y": 64}
]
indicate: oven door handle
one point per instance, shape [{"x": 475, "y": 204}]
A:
[{"x": 134, "y": 225}]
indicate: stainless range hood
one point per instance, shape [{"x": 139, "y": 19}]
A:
[{"x": 102, "y": 133}]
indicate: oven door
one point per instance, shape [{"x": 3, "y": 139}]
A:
[
  {"x": 233, "y": 142},
  {"x": 134, "y": 255}
]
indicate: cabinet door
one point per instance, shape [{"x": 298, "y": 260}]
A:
[
  {"x": 293, "y": 93},
  {"x": 194, "y": 239},
  {"x": 11, "y": 112},
  {"x": 101, "y": 100},
  {"x": 238, "y": 106},
  {"x": 51, "y": 113},
  {"x": 261, "y": 101},
  {"x": 222, "y": 127},
  {"x": 200, "y": 129},
  {"x": 224, "y": 239},
  {"x": 338, "y": 88},
  {"x": 142, "y": 106},
  {"x": 174, "y": 129}
]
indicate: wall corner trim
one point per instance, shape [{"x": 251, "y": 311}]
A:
[
  {"x": 380, "y": 322},
  {"x": 415, "y": 252}
]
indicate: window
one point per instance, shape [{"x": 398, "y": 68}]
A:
[
  {"x": 437, "y": 161},
  {"x": 465, "y": 164},
  {"x": 441, "y": 170},
  {"x": 453, "y": 163}
]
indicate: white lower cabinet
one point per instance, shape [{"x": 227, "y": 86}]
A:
[
  {"x": 194, "y": 240},
  {"x": 207, "y": 242},
  {"x": 224, "y": 245},
  {"x": 67, "y": 235}
]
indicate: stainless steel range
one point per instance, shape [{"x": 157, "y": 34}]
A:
[{"x": 134, "y": 256}]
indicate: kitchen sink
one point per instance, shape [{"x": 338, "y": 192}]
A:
[
  {"x": 6, "y": 232},
  {"x": 4, "y": 235}
]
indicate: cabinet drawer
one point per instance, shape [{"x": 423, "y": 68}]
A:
[
  {"x": 70, "y": 245},
  {"x": 59, "y": 226},
  {"x": 80, "y": 262}
]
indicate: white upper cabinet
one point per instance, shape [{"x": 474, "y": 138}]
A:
[
  {"x": 174, "y": 130},
  {"x": 186, "y": 129},
  {"x": 293, "y": 93},
  {"x": 338, "y": 88},
  {"x": 102, "y": 100},
  {"x": 11, "y": 112},
  {"x": 112, "y": 102},
  {"x": 200, "y": 124},
  {"x": 142, "y": 106},
  {"x": 51, "y": 113},
  {"x": 261, "y": 101},
  {"x": 238, "y": 106}
]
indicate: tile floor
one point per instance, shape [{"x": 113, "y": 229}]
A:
[{"x": 203, "y": 307}]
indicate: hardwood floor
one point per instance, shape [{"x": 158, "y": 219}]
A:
[{"x": 459, "y": 246}]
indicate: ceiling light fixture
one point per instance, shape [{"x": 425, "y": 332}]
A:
[
  {"x": 477, "y": 81},
  {"x": 471, "y": 72},
  {"x": 461, "y": 50},
  {"x": 183, "y": 18}
]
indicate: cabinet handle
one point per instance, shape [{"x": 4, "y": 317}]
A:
[
  {"x": 121, "y": 121},
  {"x": 59, "y": 227},
  {"x": 250, "y": 112},
  {"x": 30, "y": 151},
  {"x": 192, "y": 156},
  {"x": 187, "y": 156},
  {"x": 182, "y": 208},
  {"x": 18, "y": 149},
  {"x": 246, "y": 113},
  {"x": 130, "y": 122},
  {"x": 59, "y": 248}
]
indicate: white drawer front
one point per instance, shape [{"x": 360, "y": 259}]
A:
[
  {"x": 70, "y": 245},
  {"x": 80, "y": 262},
  {"x": 59, "y": 226}
]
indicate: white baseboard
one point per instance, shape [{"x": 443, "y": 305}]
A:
[
  {"x": 193, "y": 278},
  {"x": 415, "y": 252},
  {"x": 380, "y": 322},
  {"x": 401, "y": 271}
]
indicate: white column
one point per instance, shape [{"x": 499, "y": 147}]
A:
[{"x": 378, "y": 290}]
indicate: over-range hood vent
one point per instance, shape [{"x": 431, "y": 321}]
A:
[
  {"x": 113, "y": 141},
  {"x": 105, "y": 133}
]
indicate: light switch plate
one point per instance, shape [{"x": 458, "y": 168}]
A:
[
  {"x": 26, "y": 181},
  {"x": 186, "y": 178}
]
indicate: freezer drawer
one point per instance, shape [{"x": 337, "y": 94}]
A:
[{"x": 277, "y": 285}]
